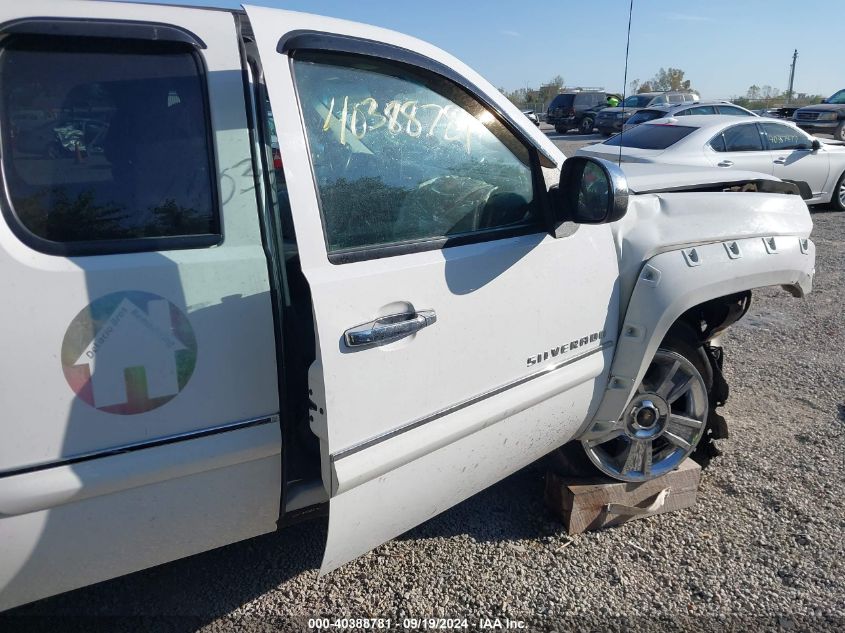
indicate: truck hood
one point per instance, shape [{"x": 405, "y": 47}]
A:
[
  {"x": 823, "y": 107},
  {"x": 660, "y": 222}
]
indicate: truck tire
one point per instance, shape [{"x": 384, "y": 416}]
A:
[
  {"x": 560, "y": 129},
  {"x": 586, "y": 126},
  {"x": 666, "y": 418},
  {"x": 839, "y": 132},
  {"x": 838, "y": 199}
]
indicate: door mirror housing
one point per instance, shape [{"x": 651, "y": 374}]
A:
[
  {"x": 817, "y": 144},
  {"x": 591, "y": 191}
]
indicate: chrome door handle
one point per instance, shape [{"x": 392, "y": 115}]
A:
[
  {"x": 780, "y": 161},
  {"x": 388, "y": 329},
  {"x": 726, "y": 163}
]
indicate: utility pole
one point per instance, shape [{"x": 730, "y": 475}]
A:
[{"x": 791, "y": 77}]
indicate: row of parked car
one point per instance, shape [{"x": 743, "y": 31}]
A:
[
  {"x": 713, "y": 135},
  {"x": 587, "y": 111}
]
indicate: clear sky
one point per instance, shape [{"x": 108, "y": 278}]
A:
[{"x": 724, "y": 46}]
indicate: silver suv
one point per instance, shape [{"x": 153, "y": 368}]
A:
[
  {"x": 685, "y": 109},
  {"x": 610, "y": 120}
]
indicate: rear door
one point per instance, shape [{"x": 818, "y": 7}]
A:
[
  {"x": 139, "y": 387},
  {"x": 457, "y": 340},
  {"x": 740, "y": 147}
]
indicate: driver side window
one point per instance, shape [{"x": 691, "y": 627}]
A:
[
  {"x": 783, "y": 137},
  {"x": 402, "y": 157}
]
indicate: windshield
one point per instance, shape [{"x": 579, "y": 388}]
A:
[
  {"x": 646, "y": 115},
  {"x": 637, "y": 101},
  {"x": 650, "y": 136},
  {"x": 838, "y": 97}
]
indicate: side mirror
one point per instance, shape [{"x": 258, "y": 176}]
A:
[
  {"x": 591, "y": 191},
  {"x": 817, "y": 144},
  {"x": 824, "y": 101}
]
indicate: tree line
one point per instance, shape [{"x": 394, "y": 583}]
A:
[
  {"x": 535, "y": 98},
  {"x": 665, "y": 79},
  {"x": 761, "y": 97},
  {"x": 756, "y": 97},
  {"x": 539, "y": 98}
]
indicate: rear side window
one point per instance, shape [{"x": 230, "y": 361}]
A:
[
  {"x": 699, "y": 110},
  {"x": 563, "y": 101},
  {"x": 588, "y": 98},
  {"x": 106, "y": 143},
  {"x": 733, "y": 111},
  {"x": 740, "y": 138},
  {"x": 717, "y": 143},
  {"x": 653, "y": 136}
]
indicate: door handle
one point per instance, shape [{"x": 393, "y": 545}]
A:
[
  {"x": 388, "y": 329},
  {"x": 726, "y": 163},
  {"x": 780, "y": 160}
]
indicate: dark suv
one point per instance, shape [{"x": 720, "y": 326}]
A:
[
  {"x": 610, "y": 120},
  {"x": 575, "y": 109},
  {"x": 828, "y": 117}
]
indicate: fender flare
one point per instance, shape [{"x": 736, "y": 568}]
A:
[{"x": 672, "y": 282}]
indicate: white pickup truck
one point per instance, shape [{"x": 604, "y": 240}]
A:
[{"x": 260, "y": 265}]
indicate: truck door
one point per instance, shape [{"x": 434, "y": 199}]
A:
[
  {"x": 457, "y": 340},
  {"x": 139, "y": 388}
]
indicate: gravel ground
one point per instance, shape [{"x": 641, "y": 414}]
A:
[{"x": 763, "y": 548}]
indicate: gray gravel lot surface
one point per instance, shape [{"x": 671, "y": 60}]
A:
[
  {"x": 763, "y": 549},
  {"x": 568, "y": 143}
]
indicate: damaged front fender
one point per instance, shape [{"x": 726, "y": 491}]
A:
[
  {"x": 660, "y": 223},
  {"x": 670, "y": 283}
]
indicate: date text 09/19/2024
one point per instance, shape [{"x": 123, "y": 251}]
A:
[{"x": 415, "y": 623}]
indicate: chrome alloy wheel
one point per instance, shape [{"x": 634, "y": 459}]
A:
[{"x": 660, "y": 427}]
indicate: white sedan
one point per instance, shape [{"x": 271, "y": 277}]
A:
[{"x": 770, "y": 146}]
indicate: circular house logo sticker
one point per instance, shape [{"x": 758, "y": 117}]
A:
[{"x": 129, "y": 352}]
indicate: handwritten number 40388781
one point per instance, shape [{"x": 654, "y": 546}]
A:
[{"x": 414, "y": 119}]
